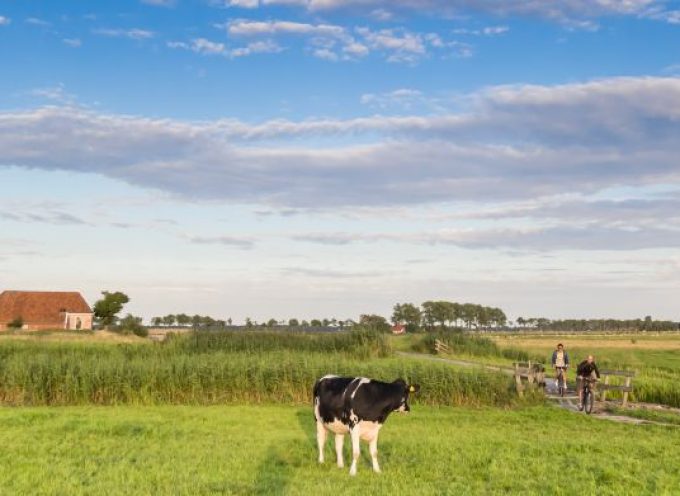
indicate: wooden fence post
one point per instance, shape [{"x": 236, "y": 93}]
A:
[
  {"x": 518, "y": 380},
  {"x": 625, "y": 393},
  {"x": 603, "y": 396}
]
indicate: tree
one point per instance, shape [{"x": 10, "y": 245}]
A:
[
  {"x": 196, "y": 321},
  {"x": 374, "y": 322},
  {"x": 16, "y": 323},
  {"x": 157, "y": 321},
  {"x": 408, "y": 314},
  {"x": 316, "y": 323},
  {"x": 293, "y": 323},
  {"x": 437, "y": 311},
  {"x": 106, "y": 309},
  {"x": 271, "y": 323},
  {"x": 131, "y": 324},
  {"x": 183, "y": 319},
  {"x": 169, "y": 320}
]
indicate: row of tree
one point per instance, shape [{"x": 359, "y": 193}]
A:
[
  {"x": 446, "y": 314},
  {"x": 585, "y": 325},
  {"x": 430, "y": 315},
  {"x": 200, "y": 321}
]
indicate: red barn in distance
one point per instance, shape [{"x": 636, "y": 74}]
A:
[{"x": 38, "y": 310}]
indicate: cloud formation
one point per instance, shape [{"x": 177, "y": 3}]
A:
[
  {"x": 512, "y": 143},
  {"x": 333, "y": 42},
  {"x": 133, "y": 34},
  {"x": 575, "y": 13}
]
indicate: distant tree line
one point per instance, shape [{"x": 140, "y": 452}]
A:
[
  {"x": 586, "y": 325},
  {"x": 201, "y": 321},
  {"x": 441, "y": 315}
]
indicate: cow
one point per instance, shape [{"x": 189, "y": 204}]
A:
[{"x": 359, "y": 407}]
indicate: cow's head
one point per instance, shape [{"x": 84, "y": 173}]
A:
[{"x": 401, "y": 405}]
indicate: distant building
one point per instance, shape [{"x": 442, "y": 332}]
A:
[
  {"x": 398, "y": 329},
  {"x": 45, "y": 310}
]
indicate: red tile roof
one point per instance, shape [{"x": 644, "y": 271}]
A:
[{"x": 40, "y": 307}]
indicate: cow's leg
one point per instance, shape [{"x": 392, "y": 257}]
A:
[
  {"x": 320, "y": 438},
  {"x": 373, "y": 447},
  {"x": 355, "y": 433},
  {"x": 339, "y": 440}
]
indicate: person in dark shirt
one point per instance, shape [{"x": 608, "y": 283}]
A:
[{"x": 586, "y": 370}]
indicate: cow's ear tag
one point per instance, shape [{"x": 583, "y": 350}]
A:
[{"x": 412, "y": 389}]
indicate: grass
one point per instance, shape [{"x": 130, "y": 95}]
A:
[
  {"x": 246, "y": 450},
  {"x": 224, "y": 368},
  {"x": 663, "y": 416}
]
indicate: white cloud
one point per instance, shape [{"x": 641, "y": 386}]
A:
[
  {"x": 72, "y": 42},
  {"x": 485, "y": 31},
  {"x": 57, "y": 94},
  {"x": 200, "y": 45},
  {"x": 207, "y": 47},
  {"x": 266, "y": 46},
  {"x": 512, "y": 143},
  {"x": 325, "y": 54},
  {"x": 37, "y": 22},
  {"x": 5, "y": 21},
  {"x": 254, "y": 28},
  {"x": 160, "y": 3},
  {"x": 133, "y": 34},
  {"x": 565, "y": 11}
]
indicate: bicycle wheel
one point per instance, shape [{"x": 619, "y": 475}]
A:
[{"x": 588, "y": 401}]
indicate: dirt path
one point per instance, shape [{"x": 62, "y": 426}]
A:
[
  {"x": 456, "y": 361},
  {"x": 567, "y": 402}
]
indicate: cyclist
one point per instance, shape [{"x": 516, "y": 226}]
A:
[
  {"x": 560, "y": 362},
  {"x": 586, "y": 370}
]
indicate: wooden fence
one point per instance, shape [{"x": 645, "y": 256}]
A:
[
  {"x": 626, "y": 388},
  {"x": 441, "y": 347},
  {"x": 531, "y": 372}
]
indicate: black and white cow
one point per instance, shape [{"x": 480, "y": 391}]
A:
[{"x": 358, "y": 406}]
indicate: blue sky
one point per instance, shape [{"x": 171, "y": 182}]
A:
[{"x": 302, "y": 158}]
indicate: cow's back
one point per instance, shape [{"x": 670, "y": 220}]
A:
[{"x": 329, "y": 398}]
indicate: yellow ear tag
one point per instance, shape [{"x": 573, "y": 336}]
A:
[{"x": 412, "y": 389}]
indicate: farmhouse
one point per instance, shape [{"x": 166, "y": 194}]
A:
[
  {"x": 398, "y": 329},
  {"x": 37, "y": 310}
]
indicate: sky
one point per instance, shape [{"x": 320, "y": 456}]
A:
[{"x": 329, "y": 158}]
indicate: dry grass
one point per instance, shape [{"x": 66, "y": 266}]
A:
[{"x": 620, "y": 342}]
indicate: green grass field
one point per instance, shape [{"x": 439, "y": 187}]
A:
[{"x": 271, "y": 450}]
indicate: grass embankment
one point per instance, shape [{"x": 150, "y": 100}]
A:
[
  {"x": 245, "y": 450},
  {"x": 227, "y": 367}
]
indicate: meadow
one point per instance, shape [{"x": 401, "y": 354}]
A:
[
  {"x": 230, "y": 413},
  {"x": 270, "y": 449}
]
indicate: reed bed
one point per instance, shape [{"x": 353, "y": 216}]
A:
[
  {"x": 466, "y": 344},
  {"x": 207, "y": 369}
]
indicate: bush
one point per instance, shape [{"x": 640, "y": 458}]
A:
[{"x": 17, "y": 323}]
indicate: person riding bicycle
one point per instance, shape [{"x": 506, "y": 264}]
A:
[
  {"x": 586, "y": 370},
  {"x": 560, "y": 362}
]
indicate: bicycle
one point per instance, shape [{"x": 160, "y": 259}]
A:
[
  {"x": 561, "y": 380},
  {"x": 587, "y": 396}
]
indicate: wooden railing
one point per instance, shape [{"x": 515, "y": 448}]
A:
[
  {"x": 533, "y": 373},
  {"x": 626, "y": 388},
  {"x": 441, "y": 347}
]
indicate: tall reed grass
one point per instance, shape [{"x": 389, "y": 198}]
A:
[
  {"x": 468, "y": 344},
  {"x": 224, "y": 368}
]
